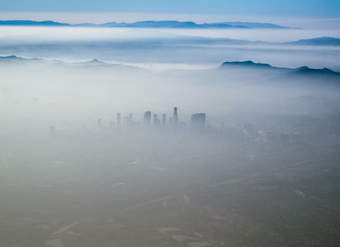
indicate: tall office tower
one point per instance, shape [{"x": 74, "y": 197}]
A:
[
  {"x": 147, "y": 117},
  {"x": 118, "y": 119},
  {"x": 175, "y": 116},
  {"x": 156, "y": 120},
  {"x": 128, "y": 121},
  {"x": 52, "y": 130},
  {"x": 99, "y": 122},
  {"x": 198, "y": 120},
  {"x": 163, "y": 119}
]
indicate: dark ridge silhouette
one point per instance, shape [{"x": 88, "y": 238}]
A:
[
  {"x": 13, "y": 58},
  {"x": 10, "y": 58},
  {"x": 148, "y": 24},
  {"x": 100, "y": 64},
  {"x": 190, "y": 24},
  {"x": 304, "y": 70},
  {"x": 308, "y": 71},
  {"x": 31, "y": 23},
  {"x": 95, "y": 62},
  {"x": 246, "y": 64},
  {"x": 320, "y": 41}
]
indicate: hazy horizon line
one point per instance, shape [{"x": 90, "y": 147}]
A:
[{"x": 77, "y": 17}]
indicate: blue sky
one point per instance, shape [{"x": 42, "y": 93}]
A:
[{"x": 295, "y": 8}]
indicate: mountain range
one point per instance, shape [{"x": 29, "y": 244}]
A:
[
  {"x": 317, "y": 41},
  {"x": 148, "y": 24},
  {"x": 12, "y": 59},
  {"x": 31, "y": 23},
  {"x": 304, "y": 70}
]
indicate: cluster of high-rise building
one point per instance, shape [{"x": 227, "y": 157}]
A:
[{"x": 198, "y": 120}]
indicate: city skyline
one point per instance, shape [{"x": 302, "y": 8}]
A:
[{"x": 197, "y": 120}]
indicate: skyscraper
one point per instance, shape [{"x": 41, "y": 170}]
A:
[
  {"x": 164, "y": 119},
  {"x": 52, "y": 130},
  {"x": 156, "y": 120},
  {"x": 99, "y": 122},
  {"x": 198, "y": 120},
  {"x": 118, "y": 119},
  {"x": 147, "y": 117},
  {"x": 175, "y": 115},
  {"x": 128, "y": 121}
]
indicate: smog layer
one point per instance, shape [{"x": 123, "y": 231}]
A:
[{"x": 169, "y": 137}]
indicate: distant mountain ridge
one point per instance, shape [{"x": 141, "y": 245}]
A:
[
  {"x": 190, "y": 24},
  {"x": 317, "y": 41},
  {"x": 304, "y": 70},
  {"x": 12, "y": 59},
  {"x": 148, "y": 24},
  {"x": 247, "y": 64},
  {"x": 31, "y": 23}
]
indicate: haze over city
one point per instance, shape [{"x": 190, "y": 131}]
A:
[{"x": 169, "y": 124}]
